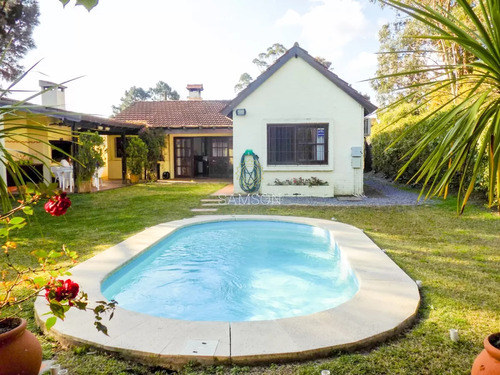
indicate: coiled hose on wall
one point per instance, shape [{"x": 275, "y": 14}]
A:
[{"x": 250, "y": 179}]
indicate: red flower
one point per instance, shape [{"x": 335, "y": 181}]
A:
[
  {"x": 62, "y": 289},
  {"x": 57, "y": 205}
]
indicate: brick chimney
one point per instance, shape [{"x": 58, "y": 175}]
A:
[
  {"x": 195, "y": 91},
  {"x": 54, "y": 96}
]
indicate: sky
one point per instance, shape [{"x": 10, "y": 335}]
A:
[{"x": 124, "y": 43}]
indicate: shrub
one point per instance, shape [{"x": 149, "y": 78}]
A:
[
  {"x": 89, "y": 155},
  {"x": 137, "y": 153},
  {"x": 389, "y": 160}
]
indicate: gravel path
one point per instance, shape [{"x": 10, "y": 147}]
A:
[{"x": 378, "y": 192}]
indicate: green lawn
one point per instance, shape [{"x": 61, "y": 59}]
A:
[{"x": 457, "y": 258}]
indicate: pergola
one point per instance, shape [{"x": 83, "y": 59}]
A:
[
  {"x": 103, "y": 126},
  {"x": 79, "y": 122}
]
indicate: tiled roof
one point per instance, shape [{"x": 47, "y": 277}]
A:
[{"x": 178, "y": 114}]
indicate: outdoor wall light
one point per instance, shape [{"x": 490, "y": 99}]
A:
[{"x": 241, "y": 112}]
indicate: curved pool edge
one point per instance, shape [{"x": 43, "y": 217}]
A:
[{"x": 387, "y": 302}]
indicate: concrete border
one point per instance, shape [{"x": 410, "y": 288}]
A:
[{"x": 386, "y": 303}]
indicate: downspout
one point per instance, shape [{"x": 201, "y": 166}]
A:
[
  {"x": 74, "y": 152},
  {"x": 124, "y": 159}
]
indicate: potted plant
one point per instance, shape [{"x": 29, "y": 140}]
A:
[
  {"x": 20, "y": 346},
  {"x": 488, "y": 361},
  {"x": 137, "y": 153},
  {"x": 89, "y": 157}
]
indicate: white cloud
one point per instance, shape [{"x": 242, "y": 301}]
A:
[
  {"x": 364, "y": 61},
  {"x": 328, "y": 26}
]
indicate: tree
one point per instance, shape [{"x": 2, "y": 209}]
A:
[
  {"x": 89, "y": 4},
  {"x": 154, "y": 138},
  {"x": 403, "y": 50},
  {"x": 18, "y": 18},
  {"x": 161, "y": 91},
  {"x": 245, "y": 80},
  {"x": 265, "y": 59},
  {"x": 469, "y": 130}
]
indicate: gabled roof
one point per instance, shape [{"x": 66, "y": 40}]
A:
[
  {"x": 177, "y": 114},
  {"x": 296, "y": 52}
]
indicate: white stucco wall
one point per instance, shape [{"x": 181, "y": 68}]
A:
[{"x": 299, "y": 94}]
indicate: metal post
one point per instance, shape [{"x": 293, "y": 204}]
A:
[
  {"x": 124, "y": 159},
  {"x": 74, "y": 153}
]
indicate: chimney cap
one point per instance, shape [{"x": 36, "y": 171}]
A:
[
  {"x": 195, "y": 87},
  {"x": 48, "y": 84}
]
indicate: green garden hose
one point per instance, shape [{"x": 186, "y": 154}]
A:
[{"x": 250, "y": 179}]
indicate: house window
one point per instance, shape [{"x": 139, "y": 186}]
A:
[
  {"x": 367, "y": 127},
  {"x": 118, "y": 147},
  {"x": 220, "y": 147},
  {"x": 297, "y": 144}
]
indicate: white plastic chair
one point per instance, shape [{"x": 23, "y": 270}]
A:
[
  {"x": 97, "y": 178},
  {"x": 59, "y": 176},
  {"x": 67, "y": 178},
  {"x": 64, "y": 176}
]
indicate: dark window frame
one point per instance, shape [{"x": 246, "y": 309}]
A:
[{"x": 296, "y": 144}]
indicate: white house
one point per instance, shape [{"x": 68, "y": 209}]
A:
[{"x": 302, "y": 121}]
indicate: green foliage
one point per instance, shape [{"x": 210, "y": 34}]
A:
[
  {"x": 18, "y": 18},
  {"x": 245, "y": 80},
  {"x": 89, "y": 4},
  {"x": 265, "y": 59},
  {"x": 162, "y": 91},
  {"x": 313, "y": 181},
  {"x": 154, "y": 138},
  {"x": 390, "y": 160},
  {"x": 90, "y": 154},
  {"x": 137, "y": 153},
  {"x": 469, "y": 132}
]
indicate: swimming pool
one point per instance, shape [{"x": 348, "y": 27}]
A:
[
  {"x": 385, "y": 303},
  {"x": 236, "y": 271}
]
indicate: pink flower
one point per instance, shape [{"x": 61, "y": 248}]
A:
[{"x": 57, "y": 205}]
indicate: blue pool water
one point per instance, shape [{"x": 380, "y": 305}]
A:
[{"x": 235, "y": 271}]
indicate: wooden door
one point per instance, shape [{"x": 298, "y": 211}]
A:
[{"x": 183, "y": 155}]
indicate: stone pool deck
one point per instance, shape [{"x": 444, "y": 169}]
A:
[{"x": 386, "y": 303}]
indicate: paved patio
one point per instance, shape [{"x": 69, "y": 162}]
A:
[{"x": 378, "y": 191}]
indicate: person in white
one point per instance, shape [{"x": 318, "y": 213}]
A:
[{"x": 65, "y": 163}]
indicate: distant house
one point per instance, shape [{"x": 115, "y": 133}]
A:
[
  {"x": 302, "y": 121},
  {"x": 198, "y": 137},
  {"x": 61, "y": 127}
]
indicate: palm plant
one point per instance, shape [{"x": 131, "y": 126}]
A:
[{"x": 469, "y": 131}]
